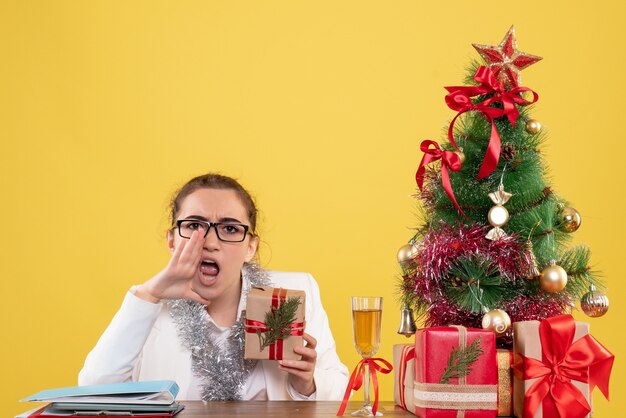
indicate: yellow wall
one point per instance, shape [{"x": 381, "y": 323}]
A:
[{"x": 318, "y": 107}]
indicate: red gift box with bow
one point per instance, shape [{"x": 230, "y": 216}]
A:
[
  {"x": 557, "y": 364},
  {"x": 473, "y": 395}
]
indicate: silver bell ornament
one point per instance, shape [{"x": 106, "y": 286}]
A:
[{"x": 407, "y": 322}]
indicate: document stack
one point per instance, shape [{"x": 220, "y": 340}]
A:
[{"x": 149, "y": 399}]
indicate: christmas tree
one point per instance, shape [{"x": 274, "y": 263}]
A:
[{"x": 493, "y": 245}]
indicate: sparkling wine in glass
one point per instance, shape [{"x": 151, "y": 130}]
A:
[{"x": 367, "y": 312}]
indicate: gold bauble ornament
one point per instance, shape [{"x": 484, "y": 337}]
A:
[
  {"x": 533, "y": 126},
  {"x": 497, "y": 321},
  {"x": 594, "y": 303},
  {"x": 553, "y": 278},
  {"x": 406, "y": 253},
  {"x": 569, "y": 220},
  {"x": 461, "y": 156}
]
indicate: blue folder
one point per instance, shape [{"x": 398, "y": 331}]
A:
[{"x": 153, "y": 392}]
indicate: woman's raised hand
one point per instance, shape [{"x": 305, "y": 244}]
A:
[{"x": 175, "y": 280}]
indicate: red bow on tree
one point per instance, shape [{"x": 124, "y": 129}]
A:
[
  {"x": 449, "y": 160},
  {"x": 585, "y": 360},
  {"x": 459, "y": 99}
]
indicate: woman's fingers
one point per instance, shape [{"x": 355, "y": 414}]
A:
[
  {"x": 175, "y": 280},
  {"x": 301, "y": 371},
  {"x": 307, "y": 363},
  {"x": 296, "y": 366},
  {"x": 192, "y": 249},
  {"x": 308, "y": 353},
  {"x": 192, "y": 295},
  {"x": 311, "y": 342},
  {"x": 178, "y": 250},
  {"x": 186, "y": 258}
]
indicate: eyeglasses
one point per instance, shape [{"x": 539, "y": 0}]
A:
[{"x": 227, "y": 231}]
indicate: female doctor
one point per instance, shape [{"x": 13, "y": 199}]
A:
[{"x": 185, "y": 323}]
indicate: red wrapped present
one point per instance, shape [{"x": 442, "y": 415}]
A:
[
  {"x": 505, "y": 382},
  {"x": 456, "y": 373},
  {"x": 556, "y": 366},
  {"x": 270, "y": 333},
  {"x": 404, "y": 369}
]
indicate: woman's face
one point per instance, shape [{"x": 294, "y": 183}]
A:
[{"x": 221, "y": 261}]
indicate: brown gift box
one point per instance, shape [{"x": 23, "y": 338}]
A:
[
  {"x": 404, "y": 372},
  {"x": 505, "y": 382},
  {"x": 264, "y": 299},
  {"x": 527, "y": 343}
]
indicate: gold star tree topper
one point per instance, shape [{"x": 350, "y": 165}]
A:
[{"x": 505, "y": 60}]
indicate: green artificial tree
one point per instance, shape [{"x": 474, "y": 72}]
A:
[{"x": 493, "y": 245}]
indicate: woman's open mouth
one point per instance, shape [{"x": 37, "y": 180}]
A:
[{"x": 209, "y": 268}]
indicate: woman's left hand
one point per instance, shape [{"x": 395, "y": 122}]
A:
[{"x": 301, "y": 371}]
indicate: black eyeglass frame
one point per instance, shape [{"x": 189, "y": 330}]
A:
[{"x": 215, "y": 225}]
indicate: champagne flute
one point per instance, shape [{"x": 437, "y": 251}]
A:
[{"x": 367, "y": 312}]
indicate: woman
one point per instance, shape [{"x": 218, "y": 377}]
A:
[{"x": 185, "y": 323}]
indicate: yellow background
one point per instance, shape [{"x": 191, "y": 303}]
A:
[{"x": 318, "y": 107}]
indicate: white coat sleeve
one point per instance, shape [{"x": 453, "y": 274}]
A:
[
  {"x": 117, "y": 353},
  {"x": 331, "y": 375}
]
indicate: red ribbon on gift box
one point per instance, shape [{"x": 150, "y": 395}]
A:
[
  {"x": 356, "y": 380},
  {"x": 585, "y": 360},
  {"x": 408, "y": 354},
  {"x": 459, "y": 99},
  {"x": 297, "y": 328}
]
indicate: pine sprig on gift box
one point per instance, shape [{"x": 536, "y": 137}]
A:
[
  {"x": 461, "y": 360},
  {"x": 278, "y": 321}
]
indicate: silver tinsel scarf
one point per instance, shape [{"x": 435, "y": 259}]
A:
[{"x": 222, "y": 370}]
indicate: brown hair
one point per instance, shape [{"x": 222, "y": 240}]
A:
[{"x": 214, "y": 181}]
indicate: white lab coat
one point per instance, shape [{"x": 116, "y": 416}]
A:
[{"x": 142, "y": 343}]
